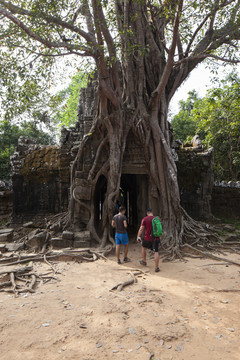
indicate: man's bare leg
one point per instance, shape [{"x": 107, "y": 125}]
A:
[
  {"x": 125, "y": 251},
  {"x": 117, "y": 252},
  {"x": 144, "y": 253},
  {"x": 156, "y": 260}
]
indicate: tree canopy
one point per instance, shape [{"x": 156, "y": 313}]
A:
[
  {"x": 183, "y": 123},
  {"x": 35, "y": 33},
  {"x": 143, "y": 51},
  {"x": 65, "y": 114},
  {"x": 216, "y": 118},
  {"x": 9, "y": 134}
]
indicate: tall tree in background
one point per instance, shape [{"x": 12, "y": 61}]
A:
[
  {"x": 183, "y": 124},
  {"x": 143, "y": 51},
  {"x": 217, "y": 117},
  {"x": 65, "y": 113}
]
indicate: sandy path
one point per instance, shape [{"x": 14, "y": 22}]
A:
[{"x": 176, "y": 314}]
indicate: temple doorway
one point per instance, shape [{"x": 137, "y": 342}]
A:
[{"x": 133, "y": 195}]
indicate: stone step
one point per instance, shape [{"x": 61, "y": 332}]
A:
[
  {"x": 2, "y": 248},
  {"x": 68, "y": 235},
  {"x": 6, "y": 235},
  {"x": 59, "y": 243},
  {"x": 80, "y": 239},
  {"x": 82, "y": 236},
  {"x": 15, "y": 246},
  {"x": 81, "y": 244}
]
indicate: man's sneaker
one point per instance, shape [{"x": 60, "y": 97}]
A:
[
  {"x": 119, "y": 261},
  {"x": 143, "y": 262},
  {"x": 126, "y": 259},
  {"x": 157, "y": 269}
]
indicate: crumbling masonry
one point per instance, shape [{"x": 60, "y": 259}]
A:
[{"x": 41, "y": 175}]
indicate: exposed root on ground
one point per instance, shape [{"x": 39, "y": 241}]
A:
[
  {"x": 25, "y": 279},
  {"x": 133, "y": 280},
  {"x": 196, "y": 239},
  {"x": 58, "y": 222},
  {"x": 22, "y": 280},
  {"x": 68, "y": 254},
  {"x": 209, "y": 255}
]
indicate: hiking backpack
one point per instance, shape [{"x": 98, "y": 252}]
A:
[{"x": 156, "y": 227}]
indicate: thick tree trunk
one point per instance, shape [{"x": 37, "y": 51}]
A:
[
  {"x": 136, "y": 97},
  {"x": 162, "y": 169}
]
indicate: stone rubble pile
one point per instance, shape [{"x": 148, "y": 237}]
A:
[{"x": 7, "y": 241}]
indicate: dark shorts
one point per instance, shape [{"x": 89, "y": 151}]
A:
[
  {"x": 121, "y": 239},
  {"x": 152, "y": 245}
]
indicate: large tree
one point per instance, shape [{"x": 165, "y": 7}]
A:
[
  {"x": 143, "y": 51},
  {"x": 184, "y": 127},
  {"x": 217, "y": 118}
]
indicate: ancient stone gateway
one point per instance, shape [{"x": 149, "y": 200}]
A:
[
  {"x": 42, "y": 176},
  {"x": 135, "y": 188}
]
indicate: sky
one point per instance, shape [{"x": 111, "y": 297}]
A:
[{"x": 201, "y": 79}]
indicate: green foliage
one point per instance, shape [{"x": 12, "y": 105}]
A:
[
  {"x": 34, "y": 34},
  {"x": 216, "y": 118},
  {"x": 25, "y": 89},
  {"x": 9, "y": 135},
  {"x": 183, "y": 123},
  {"x": 66, "y": 114}
]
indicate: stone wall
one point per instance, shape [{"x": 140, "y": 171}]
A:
[
  {"x": 40, "y": 178},
  {"x": 41, "y": 174},
  {"x": 195, "y": 178},
  {"x": 6, "y": 196},
  {"x": 226, "y": 200}
]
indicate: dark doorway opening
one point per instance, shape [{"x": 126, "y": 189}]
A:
[{"x": 133, "y": 195}]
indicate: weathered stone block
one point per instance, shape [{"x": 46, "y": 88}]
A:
[
  {"x": 14, "y": 246},
  {"x": 6, "y": 235},
  {"x": 82, "y": 236},
  {"x": 2, "y": 248},
  {"x": 81, "y": 244},
  {"x": 81, "y": 182},
  {"x": 83, "y": 192},
  {"x": 82, "y": 239},
  {"x": 59, "y": 243},
  {"x": 83, "y": 189},
  {"x": 80, "y": 174},
  {"x": 68, "y": 235},
  {"x": 36, "y": 241}
]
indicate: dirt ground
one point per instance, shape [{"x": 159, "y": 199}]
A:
[{"x": 187, "y": 311}]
